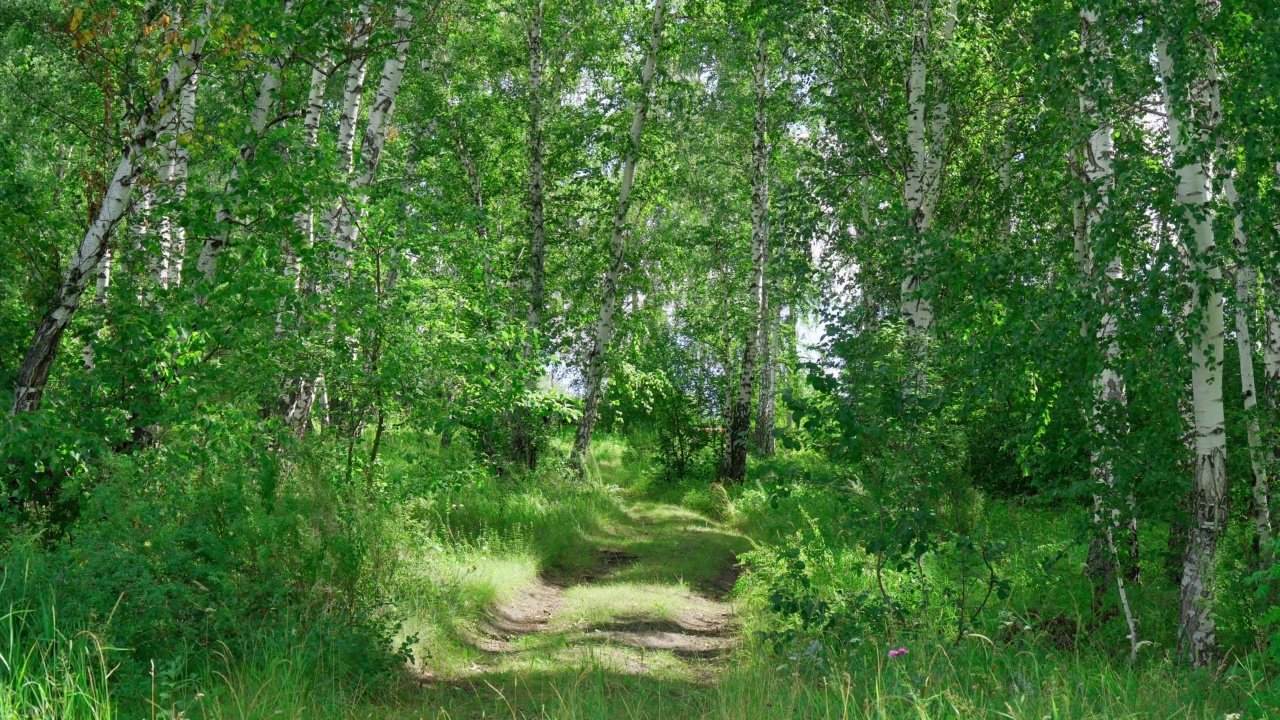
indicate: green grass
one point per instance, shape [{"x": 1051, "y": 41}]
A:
[
  {"x": 625, "y": 551},
  {"x": 46, "y": 674}
]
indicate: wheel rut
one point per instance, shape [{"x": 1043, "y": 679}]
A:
[{"x": 624, "y": 609}]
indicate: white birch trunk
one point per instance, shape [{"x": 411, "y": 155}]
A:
[
  {"x": 922, "y": 181},
  {"x": 1191, "y": 126},
  {"x": 537, "y": 230},
  {"x": 268, "y": 90},
  {"x": 736, "y": 438},
  {"x": 375, "y": 138},
  {"x": 173, "y": 174},
  {"x": 33, "y": 374},
  {"x": 305, "y": 221},
  {"x": 1245, "y": 279},
  {"x": 1109, "y": 388},
  {"x": 353, "y": 89},
  {"x": 102, "y": 284},
  {"x": 524, "y": 444},
  {"x": 594, "y": 364},
  {"x": 348, "y": 119},
  {"x": 300, "y": 395},
  {"x": 766, "y": 405},
  {"x": 1271, "y": 338}
]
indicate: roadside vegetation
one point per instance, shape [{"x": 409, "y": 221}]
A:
[{"x": 708, "y": 359}]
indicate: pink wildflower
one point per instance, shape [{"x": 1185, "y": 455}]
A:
[{"x": 897, "y": 652}]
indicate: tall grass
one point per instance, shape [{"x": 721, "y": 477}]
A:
[{"x": 46, "y": 674}]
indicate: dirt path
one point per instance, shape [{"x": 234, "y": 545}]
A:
[{"x": 648, "y": 595}]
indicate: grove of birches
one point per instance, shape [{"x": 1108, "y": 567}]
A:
[{"x": 337, "y": 333}]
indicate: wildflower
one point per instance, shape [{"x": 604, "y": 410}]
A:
[{"x": 897, "y": 652}]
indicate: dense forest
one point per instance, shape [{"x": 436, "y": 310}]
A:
[{"x": 667, "y": 359}]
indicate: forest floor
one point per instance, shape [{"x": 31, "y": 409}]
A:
[{"x": 642, "y": 601}]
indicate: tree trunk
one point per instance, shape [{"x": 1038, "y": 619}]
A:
[
  {"x": 594, "y": 364},
  {"x": 525, "y": 446},
  {"x": 300, "y": 395},
  {"x": 766, "y": 405},
  {"x": 1191, "y": 128},
  {"x": 1245, "y": 278},
  {"x": 375, "y": 135},
  {"x": 102, "y": 283},
  {"x": 735, "y": 463},
  {"x": 268, "y": 90},
  {"x": 33, "y": 374},
  {"x": 178, "y": 125},
  {"x": 1109, "y": 389},
  {"x": 348, "y": 118},
  {"x": 922, "y": 184}
]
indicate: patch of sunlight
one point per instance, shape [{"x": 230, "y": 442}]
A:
[{"x": 587, "y": 605}]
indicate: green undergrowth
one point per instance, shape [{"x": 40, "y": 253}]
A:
[{"x": 622, "y": 547}]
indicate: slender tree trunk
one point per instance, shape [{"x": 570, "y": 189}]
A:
[
  {"x": 268, "y": 90},
  {"x": 1109, "y": 388},
  {"x": 348, "y": 119},
  {"x": 594, "y": 364},
  {"x": 1271, "y": 346},
  {"x": 736, "y": 439},
  {"x": 922, "y": 185},
  {"x": 300, "y": 394},
  {"x": 102, "y": 283},
  {"x": 353, "y": 89},
  {"x": 766, "y": 405},
  {"x": 375, "y": 136},
  {"x": 1245, "y": 278},
  {"x": 525, "y": 446},
  {"x": 1191, "y": 127},
  {"x": 180, "y": 123},
  {"x": 33, "y": 374}
]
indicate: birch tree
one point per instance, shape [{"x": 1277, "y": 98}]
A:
[
  {"x": 178, "y": 125},
  {"x": 33, "y": 374},
  {"x": 594, "y": 364},
  {"x": 268, "y": 90},
  {"x": 524, "y": 445},
  {"x": 375, "y": 135},
  {"x": 1271, "y": 338},
  {"x": 922, "y": 184},
  {"x": 1246, "y": 277},
  {"x": 1192, "y": 123},
  {"x": 1109, "y": 394},
  {"x": 737, "y": 435},
  {"x": 766, "y": 405},
  {"x": 300, "y": 394}
]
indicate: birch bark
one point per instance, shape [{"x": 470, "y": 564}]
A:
[
  {"x": 33, "y": 374},
  {"x": 1109, "y": 389},
  {"x": 348, "y": 118},
  {"x": 102, "y": 282},
  {"x": 922, "y": 182},
  {"x": 537, "y": 230},
  {"x": 594, "y": 364},
  {"x": 1271, "y": 340},
  {"x": 268, "y": 90},
  {"x": 180, "y": 123},
  {"x": 766, "y": 405},
  {"x": 375, "y": 136},
  {"x": 735, "y": 463},
  {"x": 1245, "y": 279},
  {"x": 299, "y": 400},
  {"x": 1191, "y": 126},
  {"x": 525, "y": 446}
]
